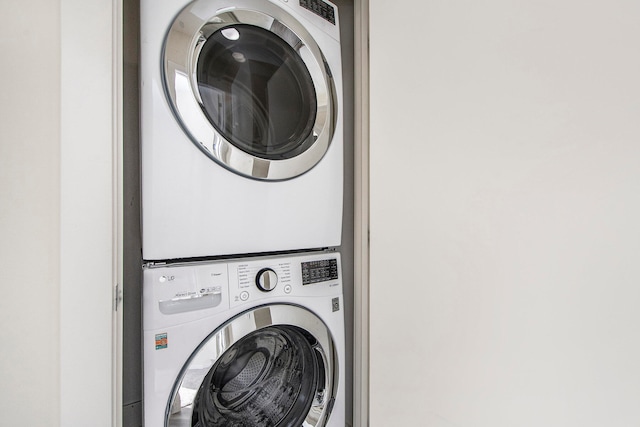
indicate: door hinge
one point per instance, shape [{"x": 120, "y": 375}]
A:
[{"x": 117, "y": 297}]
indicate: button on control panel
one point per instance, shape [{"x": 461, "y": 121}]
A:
[
  {"x": 266, "y": 280},
  {"x": 256, "y": 279}
]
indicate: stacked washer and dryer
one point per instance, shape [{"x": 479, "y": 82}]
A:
[{"x": 242, "y": 189}]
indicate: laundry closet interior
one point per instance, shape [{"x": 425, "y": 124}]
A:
[{"x": 281, "y": 220}]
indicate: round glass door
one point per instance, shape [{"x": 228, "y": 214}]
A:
[
  {"x": 259, "y": 375},
  {"x": 257, "y": 92},
  {"x": 267, "y": 379},
  {"x": 250, "y": 88}
]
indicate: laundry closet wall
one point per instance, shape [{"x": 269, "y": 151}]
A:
[{"x": 505, "y": 197}]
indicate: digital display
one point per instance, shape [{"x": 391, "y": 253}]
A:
[
  {"x": 320, "y": 8},
  {"x": 319, "y": 271}
]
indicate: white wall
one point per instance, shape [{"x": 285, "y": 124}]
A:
[
  {"x": 56, "y": 213},
  {"x": 29, "y": 212},
  {"x": 88, "y": 193},
  {"x": 505, "y": 197}
]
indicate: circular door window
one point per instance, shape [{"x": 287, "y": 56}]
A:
[
  {"x": 275, "y": 375},
  {"x": 257, "y": 92},
  {"x": 251, "y": 89},
  {"x": 269, "y": 378}
]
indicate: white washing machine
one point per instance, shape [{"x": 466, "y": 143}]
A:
[
  {"x": 248, "y": 342},
  {"x": 241, "y": 127}
]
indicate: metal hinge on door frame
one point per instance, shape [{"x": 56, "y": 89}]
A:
[{"x": 117, "y": 296}]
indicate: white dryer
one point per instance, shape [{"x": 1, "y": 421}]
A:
[
  {"x": 249, "y": 342},
  {"x": 241, "y": 127}
]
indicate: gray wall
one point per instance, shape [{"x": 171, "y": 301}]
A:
[
  {"x": 132, "y": 262},
  {"x": 345, "y": 8}
]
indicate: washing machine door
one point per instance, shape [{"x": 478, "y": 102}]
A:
[
  {"x": 251, "y": 87},
  {"x": 271, "y": 366}
]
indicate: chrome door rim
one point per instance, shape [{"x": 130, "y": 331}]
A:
[
  {"x": 242, "y": 325},
  {"x": 191, "y": 28}
]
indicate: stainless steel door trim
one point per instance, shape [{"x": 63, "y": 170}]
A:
[
  {"x": 244, "y": 324},
  {"x": 182, "y": 46}
]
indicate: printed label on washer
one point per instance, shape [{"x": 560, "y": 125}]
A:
[{"x": 161, "y": 341}]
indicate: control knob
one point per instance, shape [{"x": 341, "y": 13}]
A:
[{"x": 266, "y": 279}]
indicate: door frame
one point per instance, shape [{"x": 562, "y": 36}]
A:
[
  {"x": 113, "y": 245},
  {"x": 90, "y": 211},
  {"x": 361, "y": 215}
]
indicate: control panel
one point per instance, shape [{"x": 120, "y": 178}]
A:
[
  {"x": 319, "y": 271},
  {"x": 320, "y": 8},
  {"x": 193, "y": 290},
  {"x": 259, "y": 277},
  {"x": 309, "y": 275}
]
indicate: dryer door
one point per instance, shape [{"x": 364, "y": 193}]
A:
[
  {"x": 250, "y": 87},
  {"x": 271, "y": 366}
]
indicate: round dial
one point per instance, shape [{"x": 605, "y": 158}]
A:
[{"x": 266, "y": 279}]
